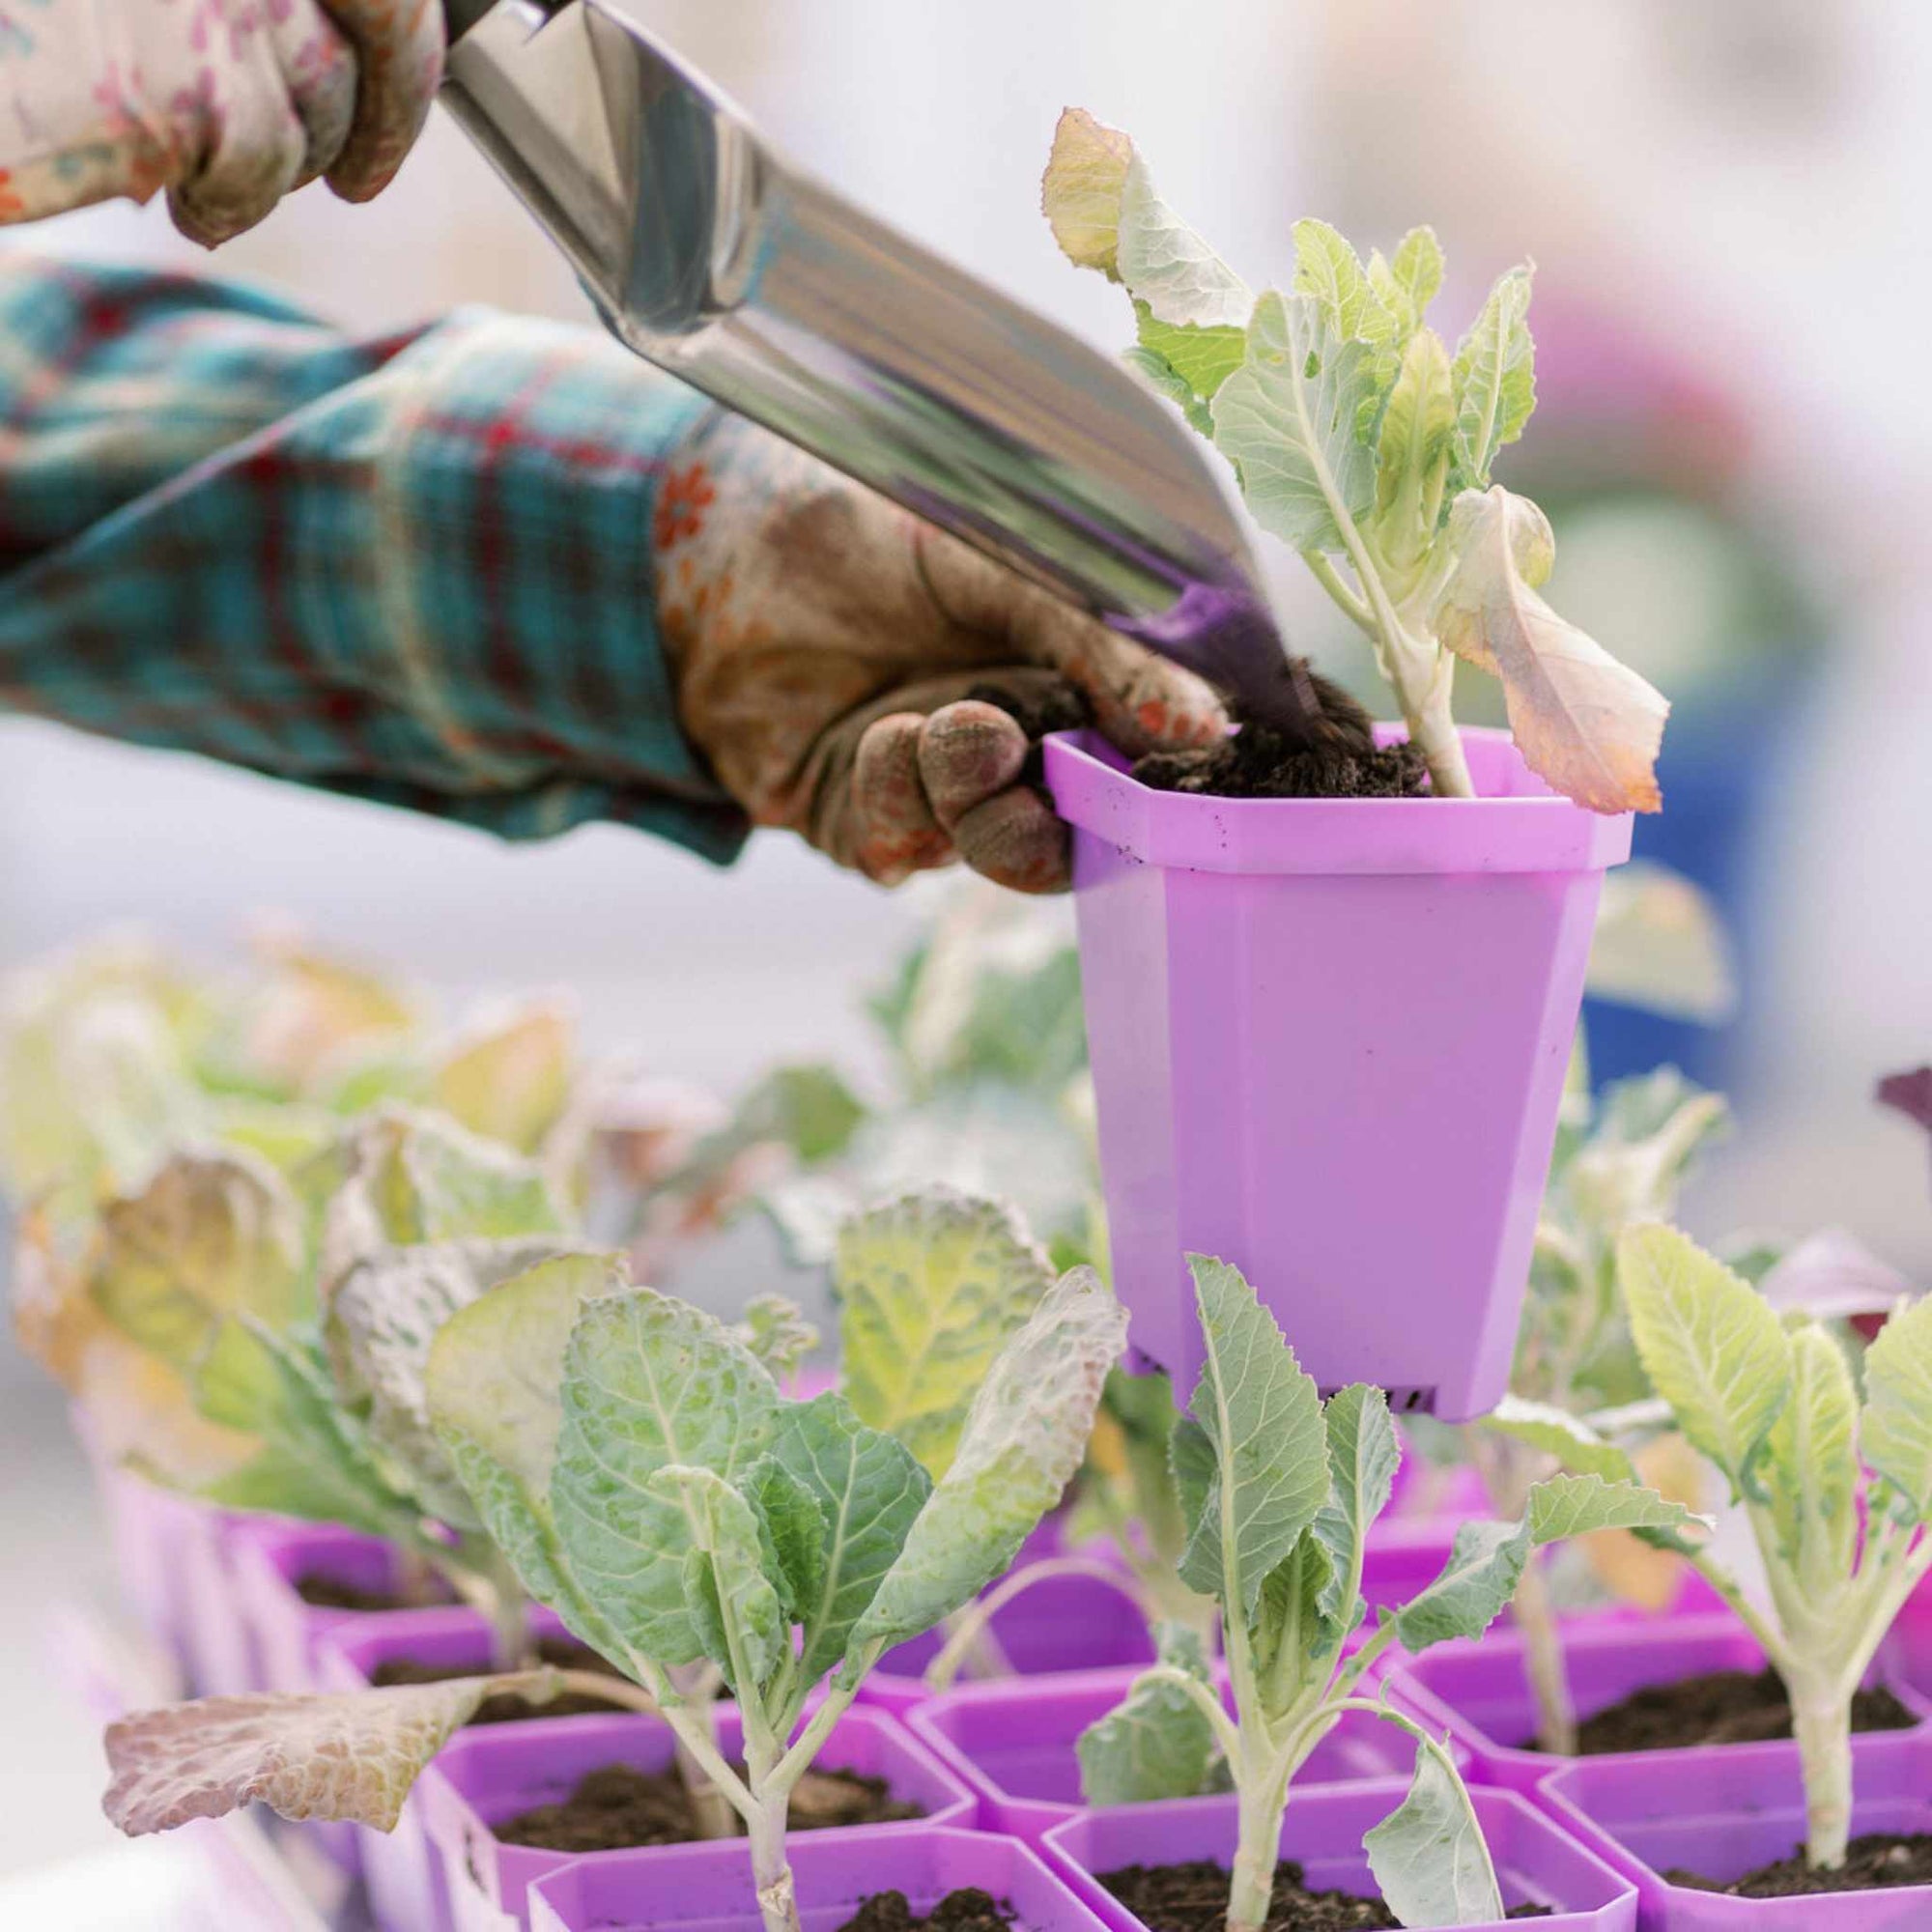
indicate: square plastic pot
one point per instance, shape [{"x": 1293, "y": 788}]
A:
[
  {"x": 707, "y": 1889},
  {"x": 1477, "y": 1689},
  {"x": 494, "y": 1772},
  {"x": 1060, "y": 1623},
  {"x": 1725, "y": 1810},
  {"x": 1537, "y": 1863},
  {"x": 1013, "y": 1743},
  {"x": 1330, "y": 1039}
]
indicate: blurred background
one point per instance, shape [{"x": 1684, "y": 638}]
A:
[{"x": 1725, "y": 207}]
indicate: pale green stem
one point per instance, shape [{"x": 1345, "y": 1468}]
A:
[
  {"x": 771, "y": 1868},
  {"x": 698, "y": 1687},
  {"x": 1721, "y": 1580},
  {"x": 1330, "y": 579},
  {"x": 1821, "y": 1721},
  {"x": 805, "y": 1747},
  {"x": 1542, "y": 1661},
  {"x": 970, "y": 1623},
  {"x": 1227, "y": 1733},
  {"x": 483, "y": 1580},
  {"x": 1263, "y": 1800}
]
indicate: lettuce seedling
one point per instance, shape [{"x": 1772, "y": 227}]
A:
[
  {"x": 1837, "y": 1492},
  {"x": 653, "y": 1486},
  {"x": 1620, "y": 1158},
  {"x": 1361, "y": 441},
  {"x": 1279, "y": 1489}
]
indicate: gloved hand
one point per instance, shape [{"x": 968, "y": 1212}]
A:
[
  {"x": 227, "y": 104},
  {"x": 834, "y": 658}
]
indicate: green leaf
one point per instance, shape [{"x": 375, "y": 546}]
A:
[
  {"x": 1263, "y": 1418},
  {"x": 1589, "y": 725},
  {"x": 1571, "y": 1442},
  {"x": 792, "y": 1532},
  {"x": 733, "y": 1596},
  {"x": 1157, "y": 1743},
  {"x": 1576, "y": 1505},
  {"x": 1287, "y": 421},
  {"x": 509, "y": 1078},
  {"x": 776, "y": 1333},
  {"x": 1415, "y": 437},
  {"x": 1327, "y": 269},
  {"x": 1364, "y": 1453},
  {"x": 1167, "y": 266},
  {"x": 931, "y": 1287},
  {"x": 382, "y": 1320},
  {"x": 1201, "y": 358},
  {"x": 1408, "y": 283},
  {"x": 1896, "y": 1431},
  {"x": 1710, "y": 1346},
  {"x": 1632, "y": 1164},
  {"x": 352, "y": 1755},
  {"x": 1023, "y": 1440},
  {"x": 1494, "y": 377},
  {"x": 1811, "y": 1466},
  {"x": 494, "y": 1388},
  {"x": 1289, "y": 1618},
  {"x": 1428, "y": 1854},
  {"x": 869, "y": 1488},
  {"x": 648, "y": 1383},
  {"x": 1486, "y": 1562},
  {"x": 209, "y": 1237}
]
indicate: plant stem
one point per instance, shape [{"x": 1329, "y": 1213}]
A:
[
  {"x": 1821, "y": 1720},
  {"x": 1542, "y": 1661},
  {"x": 771, "y": 1868},
  {"x": 1264, "y": 1799},
  {"x": 697, "y": 1685},
  {"x": 969, "y": 1625}
]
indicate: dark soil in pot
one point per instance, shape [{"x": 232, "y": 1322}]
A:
[
  {"x": 1721, "y": 1707},
  {"x": 1193, "y": 1898},
  {"x": 1257, "y": 764},
  {"x": 967, "y": 1910},
  {"x": 323, "y": 1592},
  {"x": 616, "y": 1806},
  {"x": 1874, "y": 1862},
  {"x": 506, "y": 1707}
]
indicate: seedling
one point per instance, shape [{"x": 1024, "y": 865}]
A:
[
  {"x": 1279, "y": 1491},
  {"x": 1620, "y": 1158},
  {"x": 1361, "y": 441},
  {"x": 1836, "y": 1492},
  {"x": 652, "y": 1485}
]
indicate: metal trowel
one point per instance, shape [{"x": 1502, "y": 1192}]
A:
[{"x": 710, "y": 254}]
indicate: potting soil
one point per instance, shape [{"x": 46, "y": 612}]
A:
[
  {"x": 1876, "y": 1861},
  {"x": 1257, "y": 763},
  {"x": 1718, "y": 1707},
  {"x": 507, "y": 1707},
  {"x": 1193, "y": 1898},
  {"x": 967, "y": 1910}
]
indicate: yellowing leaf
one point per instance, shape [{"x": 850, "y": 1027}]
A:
[
  {"x": 1588, "y": 725},
  {"x": 1080, "y": 194},
  {"x": 509, "y": 1080},
  {"x": 351, "y": 1756},
  {"x": 1660, "y": 945}
]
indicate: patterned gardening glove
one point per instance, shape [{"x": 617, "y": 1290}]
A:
[
  {"x": 227, "y": 104},
  {"x": 872, "y": 682}
]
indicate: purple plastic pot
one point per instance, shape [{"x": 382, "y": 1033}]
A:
[
  {"x": 1060, "y": 1623},
  {"x": 1297, "y": 1008},
  {"x": 1478, "y": 1691},
  {"x": 707, "y": 1889},
  {"x": 288, "y": 1632},
  {"x": 1536, "y": 1864},
  {"x": 497, "y": 1771},
  {"x": 1729, "y": 1809},
  {"x": 1013, "y": 1743}
]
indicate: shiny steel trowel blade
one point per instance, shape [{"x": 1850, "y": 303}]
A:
[{"x": 711, "y": 255}]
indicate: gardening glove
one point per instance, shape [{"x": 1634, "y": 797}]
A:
[
  {"x": 227, "y": 104},
  {"x": 874, "y": 683}
]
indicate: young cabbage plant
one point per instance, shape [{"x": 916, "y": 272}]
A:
[
  {"x": 1837, "y": 1492},
  {"x": 1620, "y": 1158},
  {"x": 1361, "y": 439},
  {"x": 931, "y": 1287},
  {"x": 1279, "y": 1489},
  {"x": 654, "y": 1487}
]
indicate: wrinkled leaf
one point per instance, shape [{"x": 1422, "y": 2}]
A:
[
  {"x": 1414, "y": 439},
  {"x": 931, "y": 1287},
  {"x": 384, "y": 1320},
  {"x": 1495, "y": 378},
  {"x": 1157, "y": 1743},
  {"x": 1896, "y": 1433},
  {"x": 351, "y": 1756},
  {"x": 1287, "y": 419},
  {"x": 1711, "y": 1347},
  {"x": 1566, "y": 1506},
  {"x": 648, "y": 1382},
  {"x": 1428, "y": 1857},
  {"x": 508, "y": 1079},
  {"x": 1023, "y": 1441},
  {"x": 1167, "y": 266},
  {"x": 1486, "y": 1562},
  {"x": 1263, "y": 1417},
  {"x": 1811, "y": 1467},
  {"x": 776, "y": 1333},
  {"x": 1586, "y": 724},
  {"x": 1080, "y": 195},
  {"x": 792, "y": 1533},
  {"x": 869, "y": 1488},
  {"x": 726, "y": 1590}
]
